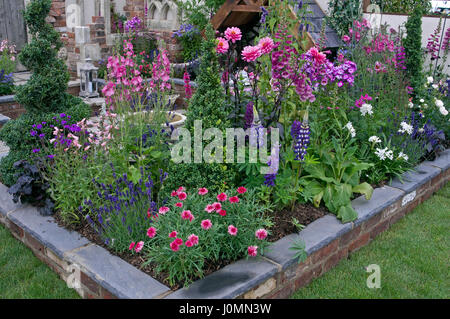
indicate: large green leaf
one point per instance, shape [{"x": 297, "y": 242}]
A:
[
  {"x": 347, "y": 213},
  {"x": 365, "y": 189},
  {"x": 317, "y": 171},
  {"x": 317, "y": 199}
]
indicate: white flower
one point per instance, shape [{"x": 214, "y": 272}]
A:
[
  {"x": 374, "y": 139},
  {"x": 429, "y": 79},
  {"x": 435, "y": 86},
  {"x": 422, "y": 100},
  {"x": 384, "y": 153},
  {"x": 421, "y": 130},
  {"x": 439, "y": 103},
  {"x": 405, "y": 128},
  {"x": 352, "y": 131},
  {"x": 403, "y": 156},
  {"x": 411, "y": 104},
  {"x": 443, "y": 111},
  {"x": 366, "y": 108}
]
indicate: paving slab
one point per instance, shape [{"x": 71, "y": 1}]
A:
[
  {"x": 46, "y": 230},
  {"x": 230, "y": 281},
  {"x": 116, "y": 275},
  {"x": 413, "y": 180},
  {"x": 382, "y": 197},
  {"x": 442, "y": 161},
  {"x": 6, "y": 201}
]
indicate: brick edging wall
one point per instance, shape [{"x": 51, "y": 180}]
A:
[{"x": 275, "y": 275}]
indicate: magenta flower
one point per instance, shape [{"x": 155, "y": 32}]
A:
[
  {"x": 151, "y": 232},
  {"x": 186, "y": 214},
  {"x": 222, "y": 212},
  {"x": 206, "y": 224},
  {"x": 202, "y": 191},
  {"x": 261, "y": 234},
  {"x": 174, "y": 246},
  {"x": 251, "y": 53},
  {"x": 232, "y": 230},
  {"x": 179, "y": 204},
  {"x": 173, "y": 234},
  {"x": 222, "y": 197},
  {"x": 209, "y": 208},
  {"x": 189, "y": 243},
  {"x": 222, "y": 45},
  {"x": 234, "y": 199},
  {"x": 346, "y": 38},
  {"x": 139, "y": 246},
  {"x": 217, "y": 206},
  {"x": 252, "y": 251},
  {"x": 233, "y": 34},
  {"x": 266, "y": 45},
  {"x": 182, "y": 196},
  {"x": 131, "y": 246},
  {"x": 241, "y": 190},
  {"x": 193, "y": 239},
  {"x": 178, "y": 241}
]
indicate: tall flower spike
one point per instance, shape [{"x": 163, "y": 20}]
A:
[{"x": 300, "y": 133}]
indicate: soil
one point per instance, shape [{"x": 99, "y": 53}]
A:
[{"x": 283, "y": 226}]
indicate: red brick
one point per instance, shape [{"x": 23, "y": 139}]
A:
[
  {"x": 107, "y": 295},
  {"x": 358, "y": 243},
  {"x": 16, "y": 230},
  {"x": 324, "y": 252},
  {"x": 89, "y": 283},
  {"x": 349, "y": 236},
  {"x": 307, "y": 276},
  {"x": 381, "y": 227},
  {"x": 282, "y": 293},
  {"x": 368, "y": 224},
  {"x": 34, "y": 244}
]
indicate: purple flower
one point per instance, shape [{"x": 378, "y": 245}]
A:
[
  {"x": 300, "y": 134},
  {"x": 248, "y": 118},
  {"x": 36, "y": 150},
  {"x": 51, "y": 156},
  {"x": 33, "y": 133}
]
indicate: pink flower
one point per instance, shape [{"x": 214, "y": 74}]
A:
[
  {"x": 174, "y": 246},
  {"x": 151, "y": 232},
  {"x": 233, "y": 34},
  {"x": 186, "y": 214},
  {"x": 261, "y": 234},
  {"x": 234, "y": 199},
  {"x": 181, "y": 189},
  {"x": 222, "y": 45},
  {"x": 189, "y": 244},
  {"x": 163, "y": 210},
  {"x": 266, "y": 45},
  {"x": 232, "y": 230},
  {"x": 178, "y": 241},
  {"x": 222, "y": 212},
  {"x": 346, "y": 38},
  {"x": 182, "y": 196},
  {"x": 222, "y": 197},
  {"x": 206, "y": 224},
  {"x": 241, "y": 190},
  {"x": 193, "y": 239},
  {"x": 173, "y": 234},
  {"x": 131, "y": 246},
  {"x": 209, "y": 208},
  {"x": 202, "y": 191},
  {"x": 180, "y": 204},
  {"x": 252, "y": 251},
  {"x": 108, "y": 90},
  {"x": 217, "y": 206},
  {"x": 174, "y": 193},
  {"x": 139, "y": 246},
  {"x": 319, "y": 57},
  {"x": 251, "y": 53}
]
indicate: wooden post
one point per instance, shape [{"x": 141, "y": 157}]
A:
[{"x": 365, "y": 4}]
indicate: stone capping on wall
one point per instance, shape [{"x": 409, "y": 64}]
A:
[{"x": 98, "y": 274}]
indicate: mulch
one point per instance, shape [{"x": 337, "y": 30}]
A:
[{"x": 283, "y": 226}]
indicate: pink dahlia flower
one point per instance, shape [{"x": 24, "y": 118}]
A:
[
  {"x": 251, "y": 53},
  {"x": 233, "y": 34},
  {"x": 222, "y": 45},
  {"x": 266, "y": 45}
]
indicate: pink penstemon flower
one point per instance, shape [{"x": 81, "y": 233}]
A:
[
  {"x": 151, "y": 232},
  {"x": 232, "y": 230},
  {"x": 206, "y": 224},
  {"x": 252, "y": 251},
  {"x": 139, "y": 246},
  {"x": 261, "y": 234}
]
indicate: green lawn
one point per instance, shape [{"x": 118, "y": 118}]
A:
[
  {"x": 22, "y": 275},
  {"x": 413, "y": 256}
]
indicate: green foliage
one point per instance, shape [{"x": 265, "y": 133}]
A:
[
  {"x": 191, "y": 42},
  {"x": 335, "y": 178},
  {"x": 299, "y": 247},
  {"x": 413, "y": 50},
  {"x": 343, "y": 13},
  {"x": 198, "y": 12},
  {"x": 402, "y": 6}
]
